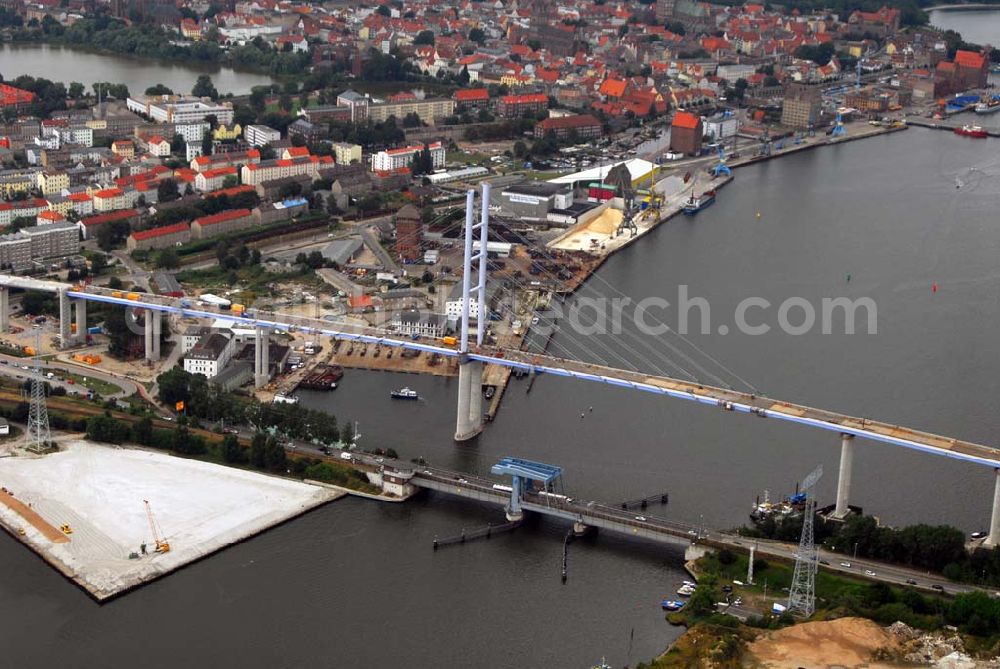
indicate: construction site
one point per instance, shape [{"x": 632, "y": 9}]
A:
[{"x": 111, "y": 519}]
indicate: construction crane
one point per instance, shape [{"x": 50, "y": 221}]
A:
[{"x": 162, "y": 545}]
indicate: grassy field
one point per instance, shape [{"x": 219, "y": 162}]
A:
[
  {"x": 99, "y": 386},
  {"x": 473, "y": 158}
]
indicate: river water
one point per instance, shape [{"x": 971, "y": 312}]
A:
[
  {"x": 59, "y": 63},
  {"x": 979, "y": 26},
  {"x": 357, "y": 584}
]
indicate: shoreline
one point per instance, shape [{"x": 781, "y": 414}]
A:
[
  {"x": 962, "y": 7},
  {"x": 195, "y": 67}
]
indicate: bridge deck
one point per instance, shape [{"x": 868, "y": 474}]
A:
[
  {"x": 736, "y": 401},
  {"x": 594, "y": 514}
]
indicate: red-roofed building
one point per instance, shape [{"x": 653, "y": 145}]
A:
[
  {"x": 231, "y": 192},
  {"x": 109, "y": 199},
  {"x": 157, "y": 146},
  {"x": 159, "y": 238},
  {"x": 91, "y": 224},
  {"x": 269, "y": 170},
  {"x": 232, "y": 220},
  {"x": 968, "y": 70},
  {"x": 882, "y": 23},
  {"x": 294, "y": 152},
  {"x": 472, "y": 98},
  {"x": 584, "y": 126},
  {"x": 15, "y": 98},
  {"x": 614, "y": 89},
  {"x": 516, "y": 106},
  {"x": 685, "y": 133},
  {"x": 49, "y": 216},
  {"x": 214, "y": 179},
  {"x": 394, "y": 160},
  {"x": 234, "y": 158}
]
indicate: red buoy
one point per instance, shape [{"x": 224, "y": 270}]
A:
[{"x": 934, "y": 287}]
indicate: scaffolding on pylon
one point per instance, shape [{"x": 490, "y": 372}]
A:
[
  {"x": 802, "y": 594},
  {"x": 38, "y": 438}
]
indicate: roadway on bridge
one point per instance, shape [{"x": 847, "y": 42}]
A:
[
  {"x": 480, "y": 488},
  {"x": 739, "y": 402}
]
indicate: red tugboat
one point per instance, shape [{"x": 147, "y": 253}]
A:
[{"x": 971, "y": 131}]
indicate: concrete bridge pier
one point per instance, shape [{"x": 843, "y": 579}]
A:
[
  {"x": 476, "y": 396},
  {"x": 261, "y": 361},
  {"x": 152, "y": 335},
  {"x": 4, "y": 309},
  {"x": 80, "y": 313},
  {"x": 844, "y": 481},
  {"x": 994, "y": 536},
  {"x": 65, "y": 318},
  {"x": 464, "y": 428}
]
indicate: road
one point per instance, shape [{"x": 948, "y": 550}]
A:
[
  {"x": 13, "y": 367},
  {"x": 136, "y": 274}
]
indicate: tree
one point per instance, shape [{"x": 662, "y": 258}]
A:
[
  {"x": 347, "y": 433},
  {"x": 412, "y": 120},
  {"x": 204, "y": 88},
  {"x": 168, "y": 259},
  {"x": 230, "y": 181},
  {"x": 819, "y": 54},
  {"x": 275, "y": 458},
  {"x": 232, "y": 452},
  {"x": 107, "y": 429},
  {"x": 520, "y": 149},
  {"x": 463, "y": 76},
  {"x": 76, "y": 90},
  {"x": 477, "y": 35},
  {"x": 384, "y": 10},
  {"x": 159, "y": 89},
  {"x": 142, "y": 431},
  {"x": 98, "y": 263},
  {"x": 173, "y": 385},
  {"x": 177, "y": 144},
  {"x": 206, "y": 145},
  {"x": 424, "y": 37},
  {"x": 166, "y": 190}
]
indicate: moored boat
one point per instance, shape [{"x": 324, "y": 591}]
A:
[
  {"x": 672, "y": 605},
  {"x": 971, "y": 131},
  {"x": 988, "y": 106},
  {"x": 696, "y": 204}
]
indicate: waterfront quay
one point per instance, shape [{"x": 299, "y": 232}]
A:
[
  {"x": 949, "y": 125},
  {"x": 113, "y": 519}
]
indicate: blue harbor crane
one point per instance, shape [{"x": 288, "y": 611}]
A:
[
  {"x": 839, "y": 130},
  {"x": 722, "y": 169}
]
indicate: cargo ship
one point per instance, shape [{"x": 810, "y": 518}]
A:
[
  {"x": 323, "y": 378},
  {"x": 988, "y": 106},
  {"x": 971, "y": 131},
  {"x": 696, "y": 204}
]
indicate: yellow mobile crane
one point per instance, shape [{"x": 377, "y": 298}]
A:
[{"x": 162, "y": 545}]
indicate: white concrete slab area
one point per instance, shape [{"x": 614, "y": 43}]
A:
[{"x": 99, "y": 491}]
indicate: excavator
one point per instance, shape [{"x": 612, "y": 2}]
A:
[{"x": 162, "y": 545}]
